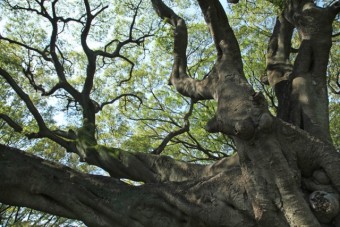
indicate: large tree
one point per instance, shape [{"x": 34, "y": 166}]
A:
[{"x": 286, "y": 170}]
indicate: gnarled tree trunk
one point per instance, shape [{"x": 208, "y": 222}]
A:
[{"x": 281, "y": 174}]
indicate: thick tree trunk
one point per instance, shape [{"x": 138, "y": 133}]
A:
[
  {"x": 201, "y": 200},
  {"x": 243, "y": 114},
  {"x": 221, "y": 194},
  {"x": 301, "y": 88},
  {"x": 281, "y": 175}
]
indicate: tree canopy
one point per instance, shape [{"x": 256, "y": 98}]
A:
[{"x": 170, "y": 113}]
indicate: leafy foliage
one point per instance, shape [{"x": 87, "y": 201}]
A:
[{"x": 143, "y": 110}]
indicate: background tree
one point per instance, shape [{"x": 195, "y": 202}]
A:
[{"x": 93, "y": 85}]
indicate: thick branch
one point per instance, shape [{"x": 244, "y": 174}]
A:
[
  {"x": 308, "y": 97},
  {"x": 103, "y": 201},
  {"x": 11, "y": 122},
  {"x": 62, "y": 191},
  {"x": 137, "y": 166},
  {"x": 278, "y": 66},
  {"x": 185, "y": 85},
  {"x": 25, "y": 98},
  {"x": 225, "y": 41},
  {"x": 91, "y": 56},
  {"x": 279, "y": 48},
  {"x": 152, "y": 168}
]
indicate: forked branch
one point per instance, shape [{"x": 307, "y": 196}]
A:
[
  {"x": 225, "y": 41},
  {"x": 196, "y": 89},
  {"x": 44, "y": 131},
  {"x": 180, "y": 131}
]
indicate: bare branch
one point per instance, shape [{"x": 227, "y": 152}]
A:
[
  {"x": 91, "y": 56},
  {"x": 136, "y": 9},
  {"x": 100, "y": 11},
  {"x": 336, "y": 34},
  {"x": 52, "y": 46},
  {"x": 335, "y": 7},
  {"x": 119, "y": 97},
  {"x": 120, "y": 45},
  {"x": 11, "y": 122},
  {"x": 43, "y": 129},
  {"x": 207, "y": 152},
  {"x": 25, "y": 98},
  {"x": 54, "y": 22},
  {"x": 53, "y": 89},
  {"x": 173, "y": 134},
  {"x": 29, "y": 8},
  {"x": 130, "y": 71},
  {"x": 40, "y": 52},
  {"x": 197, "y": 146}
]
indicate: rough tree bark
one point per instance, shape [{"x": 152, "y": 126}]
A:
[
  {"x": 301, "y": 87},
  {"x": 282, "y": 174}
]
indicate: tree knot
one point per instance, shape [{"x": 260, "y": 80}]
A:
[{"x": 325, "y": 205}]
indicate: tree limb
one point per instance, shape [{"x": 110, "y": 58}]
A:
[
  {"x": 223, "y": 35},
  {"x": 91, "y": 56},
  {"x": 173, "y": 134},
  {"x": 279, "y": 67},
  {"x": 43, "y": 129},
  {"x": 197, "y": 90},
  {"x": 11, "y": 122},
  {"x": 279, "y": 48},
  {"x": 40, "y": 52},
  {"x": 103, "y": 201},
  {"x": 25, "y": 98},
  {"x": 119, "y": 97},
  {"x": 47, "y": 186},
  {"x": 308, "y": 80}
]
